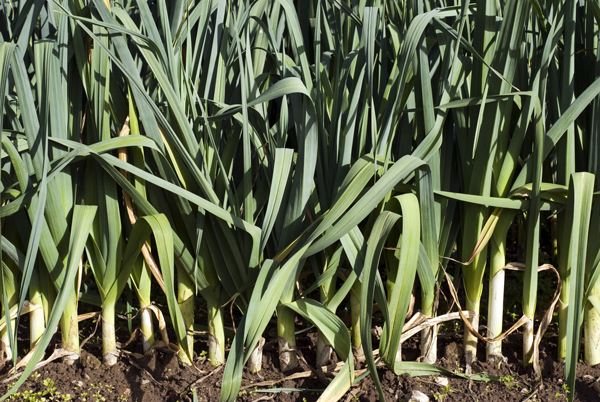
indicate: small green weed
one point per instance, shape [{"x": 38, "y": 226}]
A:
[
  {"x": 93, "y": 393},
  {"x": 509, "y": 381},
  {"x": 444, "y": 392}
]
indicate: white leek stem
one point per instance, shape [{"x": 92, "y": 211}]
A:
[
  {"x": 592, "y": 331},
  {"x": 185, "y": 298},
  {"x": 359, "y": 353},
  {"x": 286, "y": 340},
  {"x": 69, "y": 327},
  {"x": 565, "y": 277},
  {"x": 495, "y": 315},
  {"x": 37, "y": 323},
  {"x": 324, "y": 351},
  {"x": 216, "y": 335},
  {"x": 147, "y": 330},
  {"x": 528, "y": 342},
  {"x": 429, "y": 344},
  {"x": 562, "y": 307},
  {"x": 109, "y": 339},
  {"x": 429, "y": 334},
  {"x": 497, "y": 279},
  {"x": 255, "y": 360},
  {"x": 357, "y": 348},
  {"x": 399, "y": 353},
  {"x": 5, "y": 345}
]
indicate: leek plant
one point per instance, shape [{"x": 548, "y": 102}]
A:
[
  {"x": 189, "y": 279},
  {"x": 142, "y": 271},
  {"x": 478, "y": 151},
  {"x": 106, "y": 243},
  {"x": 51, "y": 207},
  {"x": 497, "y": 280}
]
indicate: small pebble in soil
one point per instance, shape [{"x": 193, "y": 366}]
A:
[
  {"x": 441, "y": 381},
  {"x": 417, "y": 396}
]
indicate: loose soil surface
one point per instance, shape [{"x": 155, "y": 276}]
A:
[{"x": 161, "y": 377}]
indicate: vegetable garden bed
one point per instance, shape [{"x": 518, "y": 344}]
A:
[{"x": 161, "y": 377}]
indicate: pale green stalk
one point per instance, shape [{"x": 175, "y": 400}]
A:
[
  {"x": 327, "y": 292},
  {"x": 592, "y": 329},
  {"x": 146, "y": 324},
  {"x": 563, "y": 303},
  {"x": 208, "y": 258},
  {"x": 216, "y": 333},
  {"x": 37, "y": 322},
  {"x": 109, "y": 339},
  {"x": 286, "y": 330},
  {"x": 185, "y": 299},
  {"x": 286, "y": 339},
  {"x": 69, "y": 326},
  {"x": 142, "y": 280},
  {"x": 357, "y": 348},
  {"x": 48, "y": 294},
  {"x": 472, "y": 275},
  {"x": 141, "y": 272}
]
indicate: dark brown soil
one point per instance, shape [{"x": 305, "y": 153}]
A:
[
  {"x": 161, "y": 377},
  {"x": 516, "y": 384}
]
